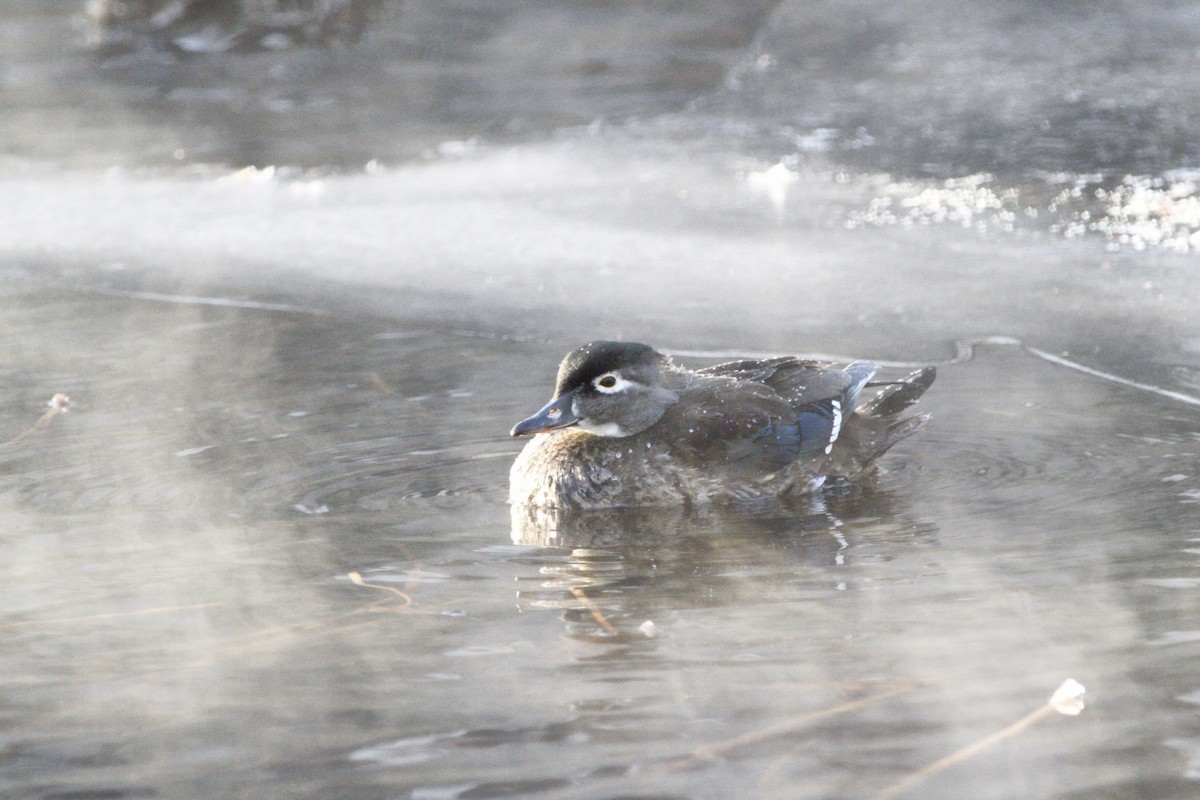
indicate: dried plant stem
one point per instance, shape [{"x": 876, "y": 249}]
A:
[
  {"x": 594, "y": 610},
  {"x": 357, "y": 580},
  {"x": 1064, "y": 701},
  {"x": 376, "y": 380},
  {"x": 100, "y": 617},
  {"x": 779, "y": 729},
  {"x": 59, "y": 404}
]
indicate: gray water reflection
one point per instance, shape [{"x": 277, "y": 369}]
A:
[
  {"x": 181, "y": 621},
  {"x": 928, "y": 87}
]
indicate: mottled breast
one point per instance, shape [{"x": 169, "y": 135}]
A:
[{"x": 574, "y": 469}]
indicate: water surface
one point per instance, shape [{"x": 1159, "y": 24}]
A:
[
  {"x": 182, "y": 621},
  {"x": 298, "y": 292}
]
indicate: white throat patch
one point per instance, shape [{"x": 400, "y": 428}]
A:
[{"x": 610, "y": 429}]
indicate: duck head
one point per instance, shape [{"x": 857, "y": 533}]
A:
[{"x": 607, "y": 389}]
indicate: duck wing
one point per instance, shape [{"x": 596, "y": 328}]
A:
[
  {"x": 764, "y": 415},
  {"x": 797, "y": 380}
]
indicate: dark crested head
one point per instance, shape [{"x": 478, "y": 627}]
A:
[
  {"x": 607, "y": 389},
  {"x": 584, "y": 364}
]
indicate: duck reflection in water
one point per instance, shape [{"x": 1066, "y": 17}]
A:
[
  {"x": 628, "y": 566},
  {"x": 655, "y": 527}
]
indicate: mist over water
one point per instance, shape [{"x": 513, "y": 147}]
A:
[{"x": 300, "y": 279}]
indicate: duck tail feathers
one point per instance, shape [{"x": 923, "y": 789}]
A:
[
  {"x": 899, "y": 395},
  {"x": 879, "y": 423},
  {"x": 897, "y": 431}
]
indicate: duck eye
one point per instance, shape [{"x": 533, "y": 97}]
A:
[{"x": 607, "y": 382}]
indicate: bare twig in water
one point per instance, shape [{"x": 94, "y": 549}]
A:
[
  {"x": 711, "y": 752},
  {"x": 379, "y": 383},
  {"x": 1066, "y": 700},
  {"x": 357, "y": 580},
  {"x": 99, "y": 617},
  {"x": 59, "y": 404},
  {"x": 594, "y": 610}
]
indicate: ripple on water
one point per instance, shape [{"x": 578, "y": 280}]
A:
[
  {"x": 410, "y": 750},
  {"x": 1036, "y": 474},
  {"x": 403, "y": 479},
  {"x": 185, "y": 409},
  {"x": 1010, "y": 431},
  {"x": 77, "y": 489}
]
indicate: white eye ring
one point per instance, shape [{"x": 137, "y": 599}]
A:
[{"x": 610, "y": 383}]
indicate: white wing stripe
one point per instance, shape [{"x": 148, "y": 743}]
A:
[{"x": 837, "y": 424}]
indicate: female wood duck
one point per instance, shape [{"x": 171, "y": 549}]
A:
[{"x": 628, "y": 427}]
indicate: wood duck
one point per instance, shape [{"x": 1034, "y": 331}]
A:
[{"x": 628, "y": 427}]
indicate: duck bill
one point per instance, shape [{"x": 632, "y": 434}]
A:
[{"x": 552, "y": 416}]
